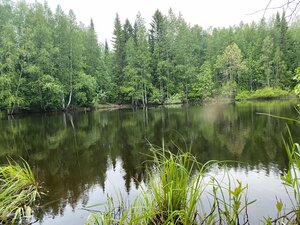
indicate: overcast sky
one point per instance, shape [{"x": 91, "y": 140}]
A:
[{"x": 206, "y": 13}]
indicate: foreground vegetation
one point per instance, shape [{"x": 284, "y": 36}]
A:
[
  {"x": 173, "y": 194},
  {"x": 177, "y": 186},
  {"x": 50, "y": 61},
  {"x": 18, "y": 193}
]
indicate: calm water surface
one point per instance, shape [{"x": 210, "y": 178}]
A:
[{"x": 81, "y": 158}]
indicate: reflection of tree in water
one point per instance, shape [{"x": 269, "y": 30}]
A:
[
  {"x": 238, "y": 132},
  {"x": 71, "y": 153},
  {"x": 233, "y": 132},
  {"x": 265, "y": 138},
  {"x": 66, "y": 169},
  {"x": 234, "y": 142},
  {"x": 269, "y": 140}
]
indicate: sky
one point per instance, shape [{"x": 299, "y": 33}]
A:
[{"x": 206, "y": 13}]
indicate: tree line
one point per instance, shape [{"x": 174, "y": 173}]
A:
[{"x": 50, "y": 61}]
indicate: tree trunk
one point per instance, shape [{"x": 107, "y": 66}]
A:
[
  {"x": 143, "y": 97},
  {"x": 268, "y": 75},
  {"x": 63, "y": 102},
  {"x": 161, "y": 92},
  {"x": 146, "y": 100},
  {"x": 71, "y": 74},
  {"x": 70, "y": 99},
  {"x": 17, "y": 91},
  {"x": 186, "y": 91}
]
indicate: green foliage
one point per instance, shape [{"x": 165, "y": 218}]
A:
[
  {"x": 232, "y": 203},
  {"x": 44, "y": 57},
  {"x": 174, "y": 99},
  {"x": 174, "y": 189},
  {"x": 229, "y": 89},
  {"x": 85, "y": 89},
  {"x": 48, "y": 92},
  {"x": 137, "y": 80},
  {"x": 230, "y": 64},
  {"x": 156, "y": 96},
  {"x": 266, "y": 59},
  {"x": 243, "y": 95},
  {"x": 202, "y": 88},
  {"x": 19, "y": 192},
  {"x": 265, "y": 93},
  {"x": 173, "y": 58},
  {"x": 291, "y": 180},
  {"x": 297, "y": 79},
  {"x": 173, "y": 196},
  {"x": 9, "y": 98}
]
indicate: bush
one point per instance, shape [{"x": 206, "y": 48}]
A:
[
  {"x": 156, "y": 96},
  {"x": 297, "y": 79},
  {"x": 264, "y": 93},
  {"x": 243, "y": 95},
  {"x": 174, "y": 99},
  {"x": 228, "y": 90}
]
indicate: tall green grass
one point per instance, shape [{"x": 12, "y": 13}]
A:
[
  {"x": 175, "y": 187},
  {"x": 291, "y": 180},
  {"x": 18, "y": 192},
  {"x": 264, "y": 93},
  {"x": 177, "y": 183}
]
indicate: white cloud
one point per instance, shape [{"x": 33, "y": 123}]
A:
[{"x": 206, "y": 13}]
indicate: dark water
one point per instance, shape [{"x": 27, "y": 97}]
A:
[{"x": 82, "y": 157}]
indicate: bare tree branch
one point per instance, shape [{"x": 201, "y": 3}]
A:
[
  {"x": 267, "y": 7},
  {"x": 287, "y": 4},
  {"x": 293, "y": 11},
  {"x": 291, "y": 7}
]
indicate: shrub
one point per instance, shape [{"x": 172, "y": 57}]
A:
[
  {"x": 265, "y": 93},
  {"x": 174, "y": 99}
]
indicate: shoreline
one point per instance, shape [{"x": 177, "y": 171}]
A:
[{"x": 112, "y": 107}]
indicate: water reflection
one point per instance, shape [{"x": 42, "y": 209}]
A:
[{"x": 81, "y": 157}]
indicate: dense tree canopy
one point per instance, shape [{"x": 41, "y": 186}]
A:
[{"x": 49, "y": 61}]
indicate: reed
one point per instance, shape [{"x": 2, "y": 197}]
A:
[
  {"x": 291, "y": 180},
  {"x": 173, "y": 196}
]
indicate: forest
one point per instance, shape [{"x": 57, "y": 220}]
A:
[{"x": 50, "y": 61}]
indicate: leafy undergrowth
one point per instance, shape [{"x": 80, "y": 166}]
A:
[
  {"x": 174, "y": 99},
  {"x": 265, "y": 93}
]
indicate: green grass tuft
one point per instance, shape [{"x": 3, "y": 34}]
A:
[
  {"x": 173, "y": 196},
  {"x": 18, "y": 192}
]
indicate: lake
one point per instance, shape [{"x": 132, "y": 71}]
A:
[{"x": 80, "y": 158}]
